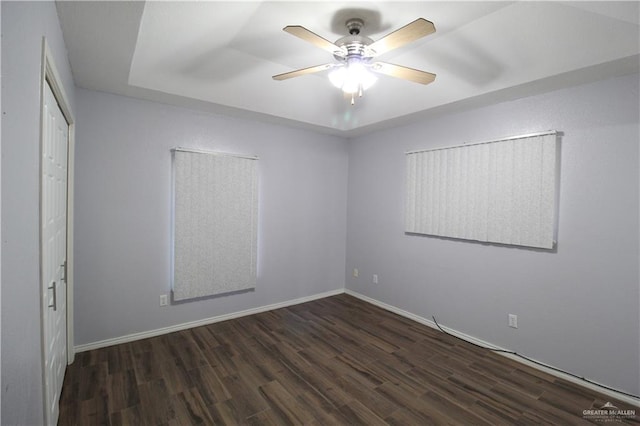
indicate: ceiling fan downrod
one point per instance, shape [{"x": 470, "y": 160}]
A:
[{"x": 354, "y": 26}]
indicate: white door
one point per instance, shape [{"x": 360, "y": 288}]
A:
[{"x": 54, "y": 250}]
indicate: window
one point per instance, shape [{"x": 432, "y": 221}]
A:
[
  {"x": 500, "y": 191},
  {"x": 214, "y": 223}
]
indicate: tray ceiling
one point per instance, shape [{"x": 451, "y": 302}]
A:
[{"x": 220, "y": 56}]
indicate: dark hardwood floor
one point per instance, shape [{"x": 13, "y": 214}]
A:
[{"x": 332, "y": 361}]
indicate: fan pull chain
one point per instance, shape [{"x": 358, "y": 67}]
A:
[{"x": 353, "y": 95}]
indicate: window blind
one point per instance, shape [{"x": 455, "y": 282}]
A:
[
  {"x": 500, "y": 191},
  {"x": 214, "y": 223}
]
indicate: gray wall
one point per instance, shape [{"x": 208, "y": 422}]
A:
[
  {"x": 577, "y": 307},
  {"x": 23, "y": 25},
  {"x": 122, "y": 212}
]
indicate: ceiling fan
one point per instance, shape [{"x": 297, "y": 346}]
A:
[{"x": 355, "y": 54}]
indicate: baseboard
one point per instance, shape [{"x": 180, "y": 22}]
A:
[
  {"x": 385, "y": 306},
  {"x": 471, "y": 339},
  {"x": 206, "y": 321}
]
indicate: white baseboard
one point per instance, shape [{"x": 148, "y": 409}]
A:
[
  {"x": 385, "y": 306},
  {"x": 471, "y": 339},
  {"x": 206, "y": 321}
]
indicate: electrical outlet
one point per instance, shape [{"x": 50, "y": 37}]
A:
[
  {"x": 375, "y": 278},
  {"x": 164, "y": 300},
  {"x": 513, "y": 321},
  {"x": 355, "y": 273}
]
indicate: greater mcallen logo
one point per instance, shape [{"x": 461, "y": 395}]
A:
[{"x": 608, "y": 413}]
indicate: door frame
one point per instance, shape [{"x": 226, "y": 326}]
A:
[{"x": 49, "y": 75}]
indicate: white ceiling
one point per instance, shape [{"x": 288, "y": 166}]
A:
[{"x": 220, "y": 56}]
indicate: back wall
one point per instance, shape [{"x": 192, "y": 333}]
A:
[
  {"x": 122, "y": 212},
  {"x": 577, "y": 306}
]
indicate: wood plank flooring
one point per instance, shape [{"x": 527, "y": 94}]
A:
[{"x": 333, "y": 361}]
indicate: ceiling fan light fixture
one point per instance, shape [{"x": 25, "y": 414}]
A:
[
  {"x": 338, "y": 76},
  {"x": 352, "y": 78}
]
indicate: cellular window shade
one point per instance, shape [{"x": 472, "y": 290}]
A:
[
  {"x": 501, "y": 191},
  {"x": 215, "y": 224}
]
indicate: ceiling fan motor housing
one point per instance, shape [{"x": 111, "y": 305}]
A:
[{"x": 354, "y": 44}]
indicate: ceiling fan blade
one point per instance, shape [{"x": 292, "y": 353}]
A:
[
  {"x": 313, "y": 38},
  {"x": 303, "y": 71},
  {"x": 404, "y": 73},
  {"x": 410, "y": 32}
]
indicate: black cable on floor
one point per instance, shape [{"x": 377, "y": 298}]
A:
[{"x": 537, "y": 362}]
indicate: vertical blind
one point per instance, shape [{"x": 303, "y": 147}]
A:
[
  {"x": 501, "y": 191},
  {"x": 214, "y": 223}
]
